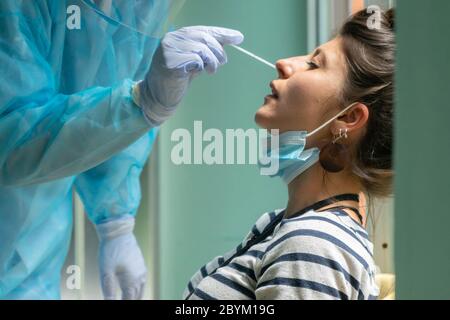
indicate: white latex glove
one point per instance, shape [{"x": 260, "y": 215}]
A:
[
  {"x": 181, "y": 55},
  {"x": 121, "y": 261}
]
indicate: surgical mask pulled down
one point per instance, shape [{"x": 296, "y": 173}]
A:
[{"x": 287, "y": 155}]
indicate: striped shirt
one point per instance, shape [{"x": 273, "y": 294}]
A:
[{"x": 318, "y": 256}]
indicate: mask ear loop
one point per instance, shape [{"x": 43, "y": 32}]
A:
[{"x": 331, "y": 120}]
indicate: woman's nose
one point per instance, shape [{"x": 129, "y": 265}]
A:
[{"x": 285, "y": 69}]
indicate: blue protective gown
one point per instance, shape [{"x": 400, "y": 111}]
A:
[{"x": 67, "y": 120}]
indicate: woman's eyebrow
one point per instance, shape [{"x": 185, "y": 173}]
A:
[{"x": 320, "y": 51}]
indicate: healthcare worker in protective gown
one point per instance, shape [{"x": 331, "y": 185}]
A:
[{"x": 80, "y": 108}]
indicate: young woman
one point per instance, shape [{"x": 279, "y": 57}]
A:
[{"x": 317, "y": 247}]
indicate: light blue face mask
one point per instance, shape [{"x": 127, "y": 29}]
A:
[{"x": 290, "y": 154}]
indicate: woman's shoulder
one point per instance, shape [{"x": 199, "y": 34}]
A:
[
  {"x": 265, "y": 221},
  {"x": 320, "y": 221},
  {"x": 320, "y": 245},
  {"x": 326, "y": 234},
  {"x": 335, "y": 222}
]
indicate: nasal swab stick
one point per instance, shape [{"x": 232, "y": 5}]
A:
[{"x": 254, "y": 56}]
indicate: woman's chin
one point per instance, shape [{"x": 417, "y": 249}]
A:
[{"x": 264, "y": 117}]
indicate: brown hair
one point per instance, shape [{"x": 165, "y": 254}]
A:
[{"x": 370, "y": 57}]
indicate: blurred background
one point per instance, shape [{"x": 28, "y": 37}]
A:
[{"x": 190, "y": 214}]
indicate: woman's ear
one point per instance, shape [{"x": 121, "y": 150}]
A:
[{"x": 354, "y": 119}]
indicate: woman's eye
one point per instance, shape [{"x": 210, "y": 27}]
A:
[{"x": 312, "y": 64}]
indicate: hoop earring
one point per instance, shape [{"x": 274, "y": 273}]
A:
[{"x": 334, "y": 157}]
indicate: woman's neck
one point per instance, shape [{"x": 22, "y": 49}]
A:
[{"x": 315, "y": 185}]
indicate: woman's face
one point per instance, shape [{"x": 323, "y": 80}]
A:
[{"x": 305, "y": 95}]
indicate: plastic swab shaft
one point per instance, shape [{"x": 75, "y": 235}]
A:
[{"x": 254, "y": 56}]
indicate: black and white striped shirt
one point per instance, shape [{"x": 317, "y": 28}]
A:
[{"x": 319, "y": 255}]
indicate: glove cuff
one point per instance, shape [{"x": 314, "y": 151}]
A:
[
  {"x": 115, "y": 228},
  {"x": 154, "y": 112},
  {"x": 136, "y": 96}
]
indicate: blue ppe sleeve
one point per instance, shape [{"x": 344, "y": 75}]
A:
[
  {"x": 47, "y": 135},
  {"x": 66, "y": 135},
  {"x": 112, "y": 189}
]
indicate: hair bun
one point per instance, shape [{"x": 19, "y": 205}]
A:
[{"x": 390, "y": 18}]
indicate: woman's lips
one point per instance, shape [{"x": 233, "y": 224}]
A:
[
  {"x": 273, "y": 96},
  {"x": 274, "y": 90}
]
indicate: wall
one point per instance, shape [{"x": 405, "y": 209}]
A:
[{"x": 423, "y": 150}]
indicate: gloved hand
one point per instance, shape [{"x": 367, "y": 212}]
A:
[
  {"x": 120, "y": 260},
  {"x": 181, "y": 55}
]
